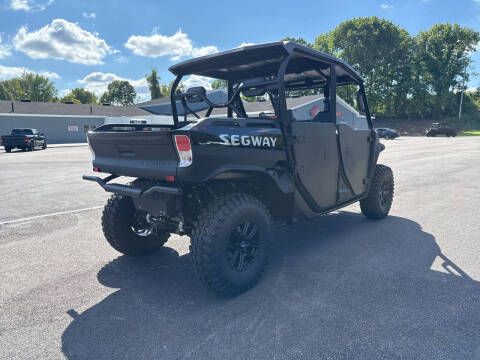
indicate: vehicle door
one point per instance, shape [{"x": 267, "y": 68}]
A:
[
  {"x": 315, "y": 149},
  {"x": 355, "y": 138}
]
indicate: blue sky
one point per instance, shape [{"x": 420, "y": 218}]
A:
[{"x": 90, "y": 43}]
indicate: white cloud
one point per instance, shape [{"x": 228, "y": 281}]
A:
[
  {"x": 29, "y": 5},
  {"x": 9, "y": 72},
  {"x": 386, "y": 6},
  {"x": 205, "y": 50},
  {"x": 175, "y": 46},
  {"x": 87, "y": 15},
  {"x": 97, "y": 83},
  {"x": 5, "y": 50},
  {"x": 62, "y": 40},
  {"x": 50, "y": 74},
  {"x": 120, "y": 59},
  {"x": 63, "y": 92},
  {"x": 197, "y": 80}
]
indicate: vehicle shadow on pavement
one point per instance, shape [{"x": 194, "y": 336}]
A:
[{"x": 341, "y": 286}]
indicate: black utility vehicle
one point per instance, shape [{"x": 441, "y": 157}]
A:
[
  {"x": 386, "y": 133},
  {"x": 224, "y": 180},
  {"x": 440, "y": 129},
  {"x": 25, "y": 139}
]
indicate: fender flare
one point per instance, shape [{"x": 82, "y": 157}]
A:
[{"x": 283, "y": 181}]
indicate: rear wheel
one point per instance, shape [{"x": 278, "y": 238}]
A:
[
  {"x": 231, "y": 242},
  {"x": 380, "y": 196},
  {"x": 8, "y": 150},
  {"x": 44, "y": 146},
  {"x": 31, "y": 146},
  {"x": 128, "y": 230}
]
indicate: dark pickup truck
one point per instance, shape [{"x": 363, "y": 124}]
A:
[{"x": 25, "y": 139}]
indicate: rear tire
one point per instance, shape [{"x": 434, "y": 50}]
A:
[
  {"x": 44, "y": 146},
  {"x": 8, "y": 150},
  {"x": 380, "y": 196},
  {"x": 118, "y": 222},
  {"x": 31, "y": 146},
  {"x": 231, "y": 243}
]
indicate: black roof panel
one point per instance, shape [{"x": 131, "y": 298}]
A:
[{"x": 264, "y": 60}]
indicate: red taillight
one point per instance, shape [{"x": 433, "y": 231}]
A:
[
  {"x": 184, "y": 150},
  {"x": 183, "y": 143},
  {"x": 26, "y": 140},
  {"x": 96, "y": 169},
  {"x": 170, "y": 178}
]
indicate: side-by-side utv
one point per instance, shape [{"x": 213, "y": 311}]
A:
[{"x": 224, "y": 179}]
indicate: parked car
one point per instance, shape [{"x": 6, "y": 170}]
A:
[
  {"x": 440, "y": 129},
  {"x": 386, "y": 133},
  {"x": 24, "y": 139},
  {"x": 224, "y": 181}
]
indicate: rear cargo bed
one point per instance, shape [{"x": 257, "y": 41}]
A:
[
  {"x": 13, "y": 140},
  {"x": 141, "y": 154}
]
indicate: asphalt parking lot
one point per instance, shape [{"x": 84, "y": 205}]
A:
[{"x": 341, "y": 286}]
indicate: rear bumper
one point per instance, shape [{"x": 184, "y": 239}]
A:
[{"x": 129, "y": 190}]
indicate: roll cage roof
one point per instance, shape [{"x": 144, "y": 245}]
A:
[
  {"x": 305, "y": 65},
  {"x": 277, "y": 66}
]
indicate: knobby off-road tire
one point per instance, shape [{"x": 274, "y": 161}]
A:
[
  {"x": 380, "y": 196},
  {"x": 231, "y": 243},
  {"x": 117, "y": 221}
]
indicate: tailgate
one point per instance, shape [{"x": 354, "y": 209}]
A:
[
  {"x": 142, "y": 154},
  {"x": 13, "y": 140}
]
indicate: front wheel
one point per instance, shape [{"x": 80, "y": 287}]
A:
[
  {"x": 380, "y": 196},
  {"x": 128, "y": 230},
  {"x": 231, "y": 242},
  {"x": 31, "y": 146},
  {"x": 44, "y": 146},
  {"x": 8, "y": 150}
]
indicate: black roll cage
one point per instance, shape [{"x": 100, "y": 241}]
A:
[
  {"x": 234, "y": 86},
  {"x": 285, "y": 117}
]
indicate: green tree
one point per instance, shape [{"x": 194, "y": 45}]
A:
[
  {"x": 298, "y": 40},
  {"x": 443, "y": 56},
  {"x": 83, "y": 96},
  {"x": 105, "y": 98},
  {"x": 30, "y": 86},
  {"x": 165, "y": 89},
  {"x": 4, "y": 94},
  {"x": 219, "y": 84},
  {"x": 154, "y": 85},
  {"x": 70, "y": 98},
  {"x": 80, "y": 96},
  {"x": 119, "y": 92},
  {"x": 382, "y": 52}
]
